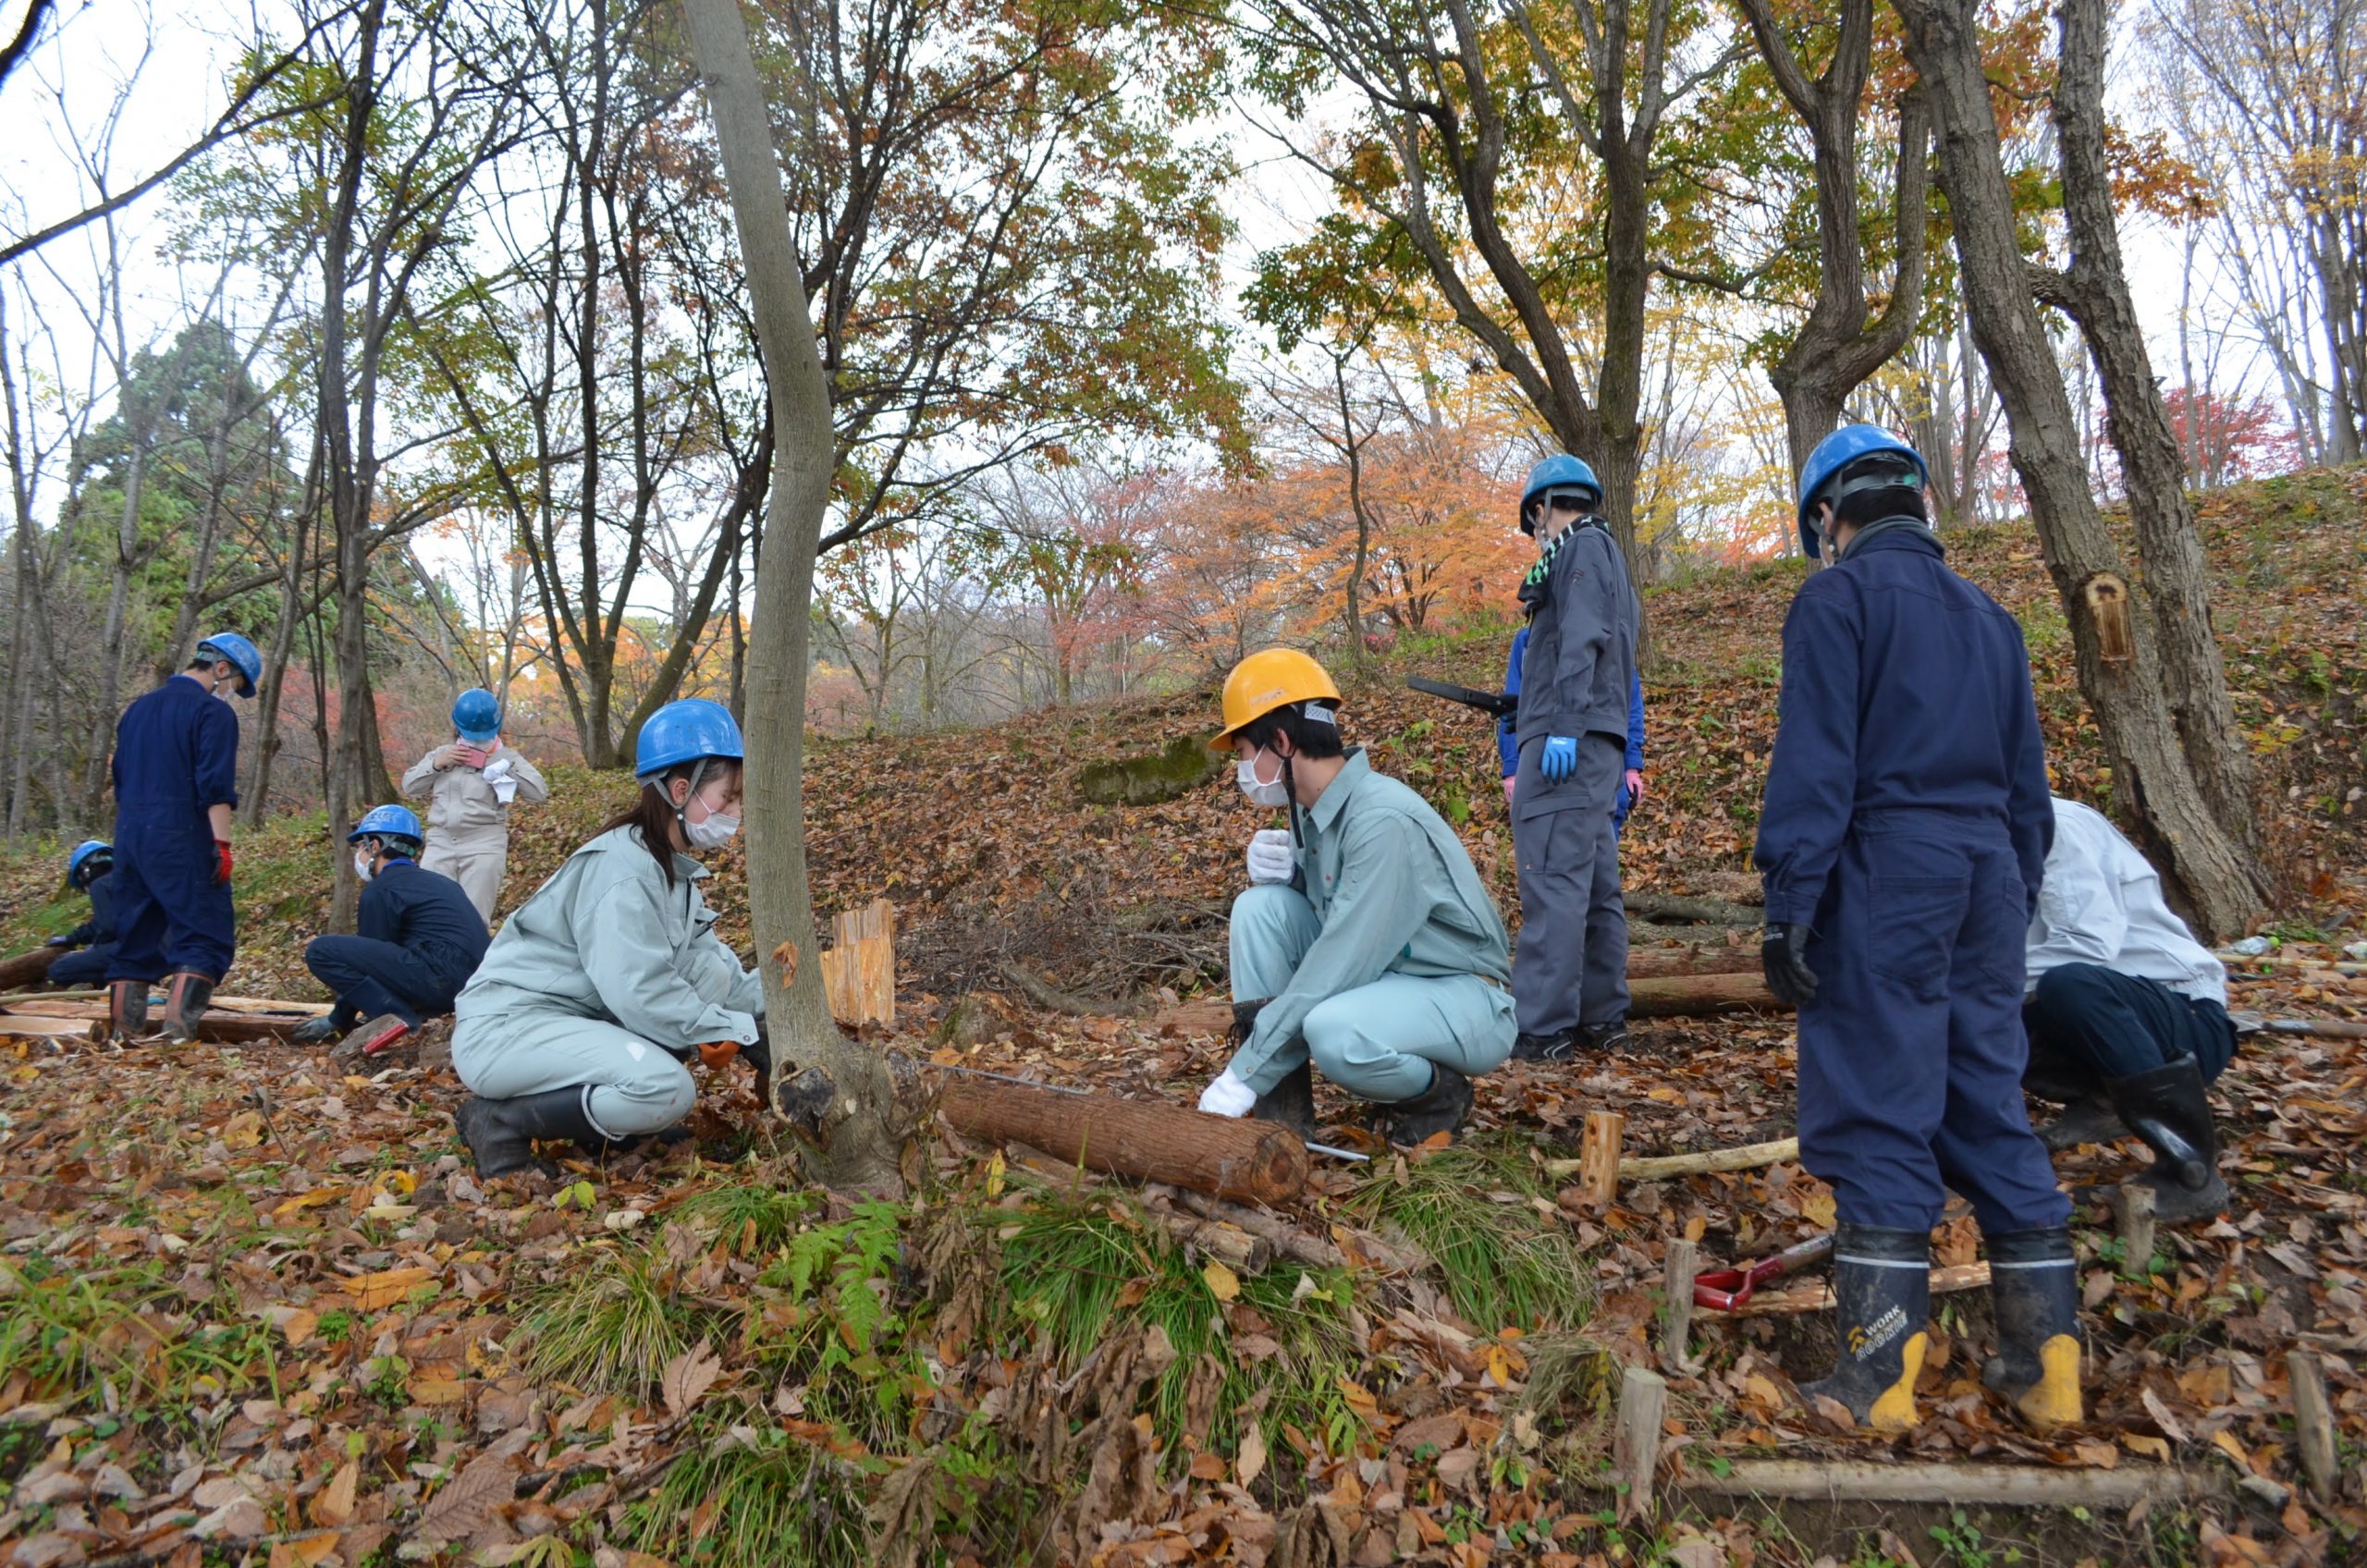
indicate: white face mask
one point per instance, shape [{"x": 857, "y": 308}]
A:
[
  {"x": 712, "y": 834},
  {"x": 1260, "y": 792},
  {"x": 362, "y": 864}
]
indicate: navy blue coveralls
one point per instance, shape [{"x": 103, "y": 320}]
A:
[
  {"x": 1907, "y": 822},
  {"x": 176, "y": 753},
  {"x": 420, "y": 941},
  {"x": 94, "y": 939}
]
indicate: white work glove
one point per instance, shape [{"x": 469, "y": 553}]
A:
[
  {"x": 1271, "y": 857},
  {"x": 1228, "y": 1095},
  {"x": 497, "y": 772}
]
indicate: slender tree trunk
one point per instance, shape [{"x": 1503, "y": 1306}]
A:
[
  {"x": 255, "y": 803},
  {"x": 1354, "y": 448},
  {"x": 839, "y": 1089},
  {"x": 2153, "y": 785},
  {"x": 2176, "y": 585},
  {"x": 127, "y": 554}
]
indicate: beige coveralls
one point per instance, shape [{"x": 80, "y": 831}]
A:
[{"x": 468, "y": 822}]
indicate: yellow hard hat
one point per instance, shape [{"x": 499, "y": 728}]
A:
[{"x": 1267, "y": 680}]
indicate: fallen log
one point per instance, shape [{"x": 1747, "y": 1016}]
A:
[
  {"x": 44, "y": 1026},
  {"x": 1287, "y": 1239},
  {"x": 1693, "y": 995},
  {"x": 221, "y": 1027},
  {"x": 1148, "y": 1140},
  {"x": 1673, "y": 909},
  {"x": 29, "y": 969},
  {"x": 1997, "y": 1485},
  {"x": 1659, "y": 1167},
  {"x": 1667, "y": 964}
]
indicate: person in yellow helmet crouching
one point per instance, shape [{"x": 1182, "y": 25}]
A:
[{"x": 1365, "y": 944}]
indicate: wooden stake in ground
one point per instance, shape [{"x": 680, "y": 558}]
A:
[
  {"x": 1676, "y": 1312},
  {"x": 1148, "y": 1140},
  {"x": 1635, "y": 1453},
  {"x": 2135, "y": 1202},
  {"x": 2312, "y": 1422},
  {"x": 2006, "y": 1486},
  {"x": 1599, "y": 1155}
]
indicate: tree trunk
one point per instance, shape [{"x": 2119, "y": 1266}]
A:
[
  {"x": 2153, "y": 785},
  {"x": 2176, "y": 586},
  {"x": 95, "y": 771},
  {"x": 257, "y": 799},
  {"x": 845, "y": 1088}
]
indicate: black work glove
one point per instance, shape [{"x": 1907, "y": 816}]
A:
[
  {"x": 1784, "y": 954},
  {"x": 760, "y": 1057},
  {"x": 59, "y": 942}
]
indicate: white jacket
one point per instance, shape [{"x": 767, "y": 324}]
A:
[{"x": 2101, "y": 903}]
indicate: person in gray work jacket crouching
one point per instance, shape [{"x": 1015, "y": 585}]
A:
[{"x": 582, "y": 1018}]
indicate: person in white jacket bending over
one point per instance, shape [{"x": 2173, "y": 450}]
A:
[{"x": 469, "y": 786}]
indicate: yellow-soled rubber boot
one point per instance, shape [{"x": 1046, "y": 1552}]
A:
[
  {"x": 2034, "y": 1284},
  {"x": 1882, "y": 1289}
]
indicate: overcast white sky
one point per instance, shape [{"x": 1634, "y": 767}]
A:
[{"x": 96, "y": 43}]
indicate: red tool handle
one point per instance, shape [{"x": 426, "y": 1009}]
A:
[{"x": 1723, "y": 1289}]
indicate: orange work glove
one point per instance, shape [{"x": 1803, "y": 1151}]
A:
[{"x": 720, "y": 1054}]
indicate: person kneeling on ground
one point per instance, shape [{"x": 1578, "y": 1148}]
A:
[
  {"x": 583, "y": 1017},
  {"x": 1367, "y": 945},
  {"x": 88, "y": 872},
  {"x": 420, "y": 940},
  {"x": 2127, "y": 1015}
]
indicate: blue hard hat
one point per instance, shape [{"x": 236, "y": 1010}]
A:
[
  {"x": 476, "y": 717},
  {"x": 1837, "y": 451},
  {"x": 684, "y": 732},
  {"x": 1560, "y": 472},
  {"x": 387, "y": 822},
  {"x": 84, "y": 853},
  {"x": 238, "y": 651}
]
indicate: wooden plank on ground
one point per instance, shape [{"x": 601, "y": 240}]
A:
[{"x": 1817, "y": 1297}]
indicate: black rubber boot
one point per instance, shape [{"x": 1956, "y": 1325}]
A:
[
  {"x": 186, "y": 996},
  {"x": 1881, "y": 1289},
  {"x": 126, "y": 1010},
  {"x": 2083, "y": 1121},
  {"x": 1557, "y": 1046},
  {"x": 501, "y": 1133},
  {"x": 2170, "y": 1108},
  {"x": 315, "y": 1031},
  {"x": 2034, "y": 1288},
  {"x": 1439, "y": 1109},
  {"x": 1290, "y": 1103}
]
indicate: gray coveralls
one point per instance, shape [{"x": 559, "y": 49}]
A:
[
  {"x": 605, "y": 976},
  {"x": 1572, "y": 965},
  {"x": 468, "y": 820}
]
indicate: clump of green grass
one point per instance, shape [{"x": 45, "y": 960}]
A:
[
  {"x": 1074, "y": 1271},
  {"x": 613, "y": 1322},
  {"x": 1504, "y": 1264},
  {"x": 760, "y": 1499},
  {"x": 755, "y": 1219},
  {"x": 71, "y": 1333}
]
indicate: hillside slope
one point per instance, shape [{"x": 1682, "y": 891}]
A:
[{"x": 979, "y": 837}]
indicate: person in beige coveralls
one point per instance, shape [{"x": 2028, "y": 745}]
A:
[{"x": 470, "y": 785}]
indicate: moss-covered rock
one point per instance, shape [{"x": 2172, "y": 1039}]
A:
[{"x": 1187, "y": 764}]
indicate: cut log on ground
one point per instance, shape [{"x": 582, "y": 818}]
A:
[
  {"x": 221, "y": 1026},
  {"x": 1676, "y": 910},
  {"x": 46, "y": 1026},
  {"x": 1148, "y": 1140},
  {"x": 1288, "y": 1240},
  {"x": 1659, "y": 1167},
  {"x": 1819, "y": 1297},
  {"x": 29, "y": 969},
  {"x": 1692, "y": 996},
  {"x": 1677, "y": 963},
  {"x": 1996, "y": 1486}
]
